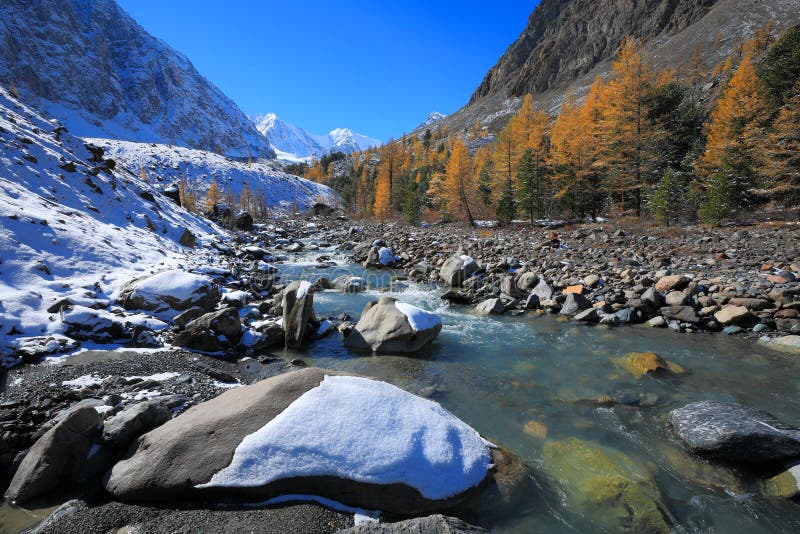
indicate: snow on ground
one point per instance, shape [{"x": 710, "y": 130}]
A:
[
  {"x": 363, "y": 430},
  {"x": 75, "y": 232},
  {"x": 167, "y": 164},
  {"x": 418, "y": 318}
]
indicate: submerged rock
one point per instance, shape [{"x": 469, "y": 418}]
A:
[
  {"x": 236, "y": 447},
  {"x": 785, "y": 484},
  {"x": 640, "y": 364},
  {"x": 735, "y": 433},
  {"x": 789, "y": 344},
  {"x": 389, "y": 326},
  {"x": 618, "y": 493},
  {"x": 432, "y": 524}
]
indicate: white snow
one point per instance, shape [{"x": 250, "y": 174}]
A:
[
  {"x": 363, "y": 430},
  {"x": 305, "y": 285},
  {"x": 177, "y": 284},
  {"x": 418, "y": 318},
  {"x": 386, "y": 256},
  {"x": 83, "y": 381},
  {"x": 468, "y": 260}
]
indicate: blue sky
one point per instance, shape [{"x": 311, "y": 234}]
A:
[{"x": 377, "y": 67}]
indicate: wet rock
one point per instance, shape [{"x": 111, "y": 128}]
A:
[
  {"x": 789, "y": 344},
  {"x": 575, "y": 303},
  {"x": 640, "y": 364},
  {"x": 619, "y": 493},
  {"x": 121, "y": 429},
  {"x": 350, "y": 284},
  {"x": 455, "y": 296},
  {"x": 384, "y": 327},
  {"x": 55, "y": 456},
  {"x": 490, "y": 307},
  {"x": 735, "y": 433},
  {"x": 785, "y": 484}
]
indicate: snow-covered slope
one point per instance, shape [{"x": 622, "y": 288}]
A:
[
  {"x": 72, "y": 228},
  {"x": 431, "y": 119},
  {"x": 90, "y": 65},
  {"x": 167, "y": 164},
  {"x": 292, "y": 143}
]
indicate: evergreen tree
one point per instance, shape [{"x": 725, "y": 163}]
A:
[
  {"x": 720, "y": 202},
  {"x": 529, "y": 186},
  {"x": 485, "y": 183},
  {"x": 665, "y": 202},
  {"x": 411, "y": 207},
  {"x": 505, "y": 206}
]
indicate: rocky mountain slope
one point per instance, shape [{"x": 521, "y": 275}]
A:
[
  {"x": 567, "y": 42},
  {"x": 74, "y": 225},
  {"x": 90, "y": 65},
  {"x": 167, "y": 164},
  {"x": 292, "y": 143}
]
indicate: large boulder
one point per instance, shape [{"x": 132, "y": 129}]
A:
[
  {"x": 789, "y": 344},
  {"x": 175, "y": 290},
  {"x": 350, "y": 284},
  {"x": 732, "y": 315},
  {"x": 88, "y": 324},
  {"x": 735, "y": 433},
  {"x": 134, "y": 421},
  {"x": 684, "y": 314},
  {"x": 389, "y": 326},
  {"x": 575, "y": 303},
  {"x": 620, "y": 494},
  {"x": 212, "y": 332},
  {"x": 243, "y": 221},
  {"x": 493, "y": 306},
  {"x": 361, "y": 442},
  {"x": 57, "y": 457},
  {"x": 640, "y": 364},
  {"x": 457, "y": 269},
  {"x": 297, "y": 301}
]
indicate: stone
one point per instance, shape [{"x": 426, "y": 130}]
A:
[
  {"x": 617, "y": 493},
  {"x": 640, "y": 364},
  {"x": 535, "y": 429},
  {"x": 577, "y": 289},
  {"x": 785, "y": 484},
  {"x": 432, "y": 524},
  {"x": 490, "y": 307},
  {"x": 508, "y": 287},
  {"x": 734, "y": 433},
  {"x": 297, "y": 301},
  {"x": 458, "y": 268},
  {"x": 532, "y": 302},
  {"x": 684, "y": 314},
  {"x": 672, "y": 283},
  {"x": 350, "y": 284},
  {"x": 590, "y": 315},
  {"x": 751, "y": 303},
  {"x": 790, "y": 344},
  {"x": 592, "y": 280},
  {"x": 56, "y": 456},
  {"x": 455, "y": 296},
  {"x": 675, "y": 298},
  {"x": 173, "y": 289},
  {"x": 732, "y": 315},
  {"x": 575, "y": 303},
  {"x": 243, "y": 221},
  {"x": 657, "y": 322},
  {"x": 527, "y": 281},
  {"x": 543, "y": 290},
  {"x": 174, "y": 461},
  {"x": 203, "y": 333},
  {"x": 134, "y": 421},
  {"x": 384, "y": 327},
  {"x": 187, "y": 239}
]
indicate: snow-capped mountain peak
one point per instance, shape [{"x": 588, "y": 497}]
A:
[{"x": 293, "y": 143}]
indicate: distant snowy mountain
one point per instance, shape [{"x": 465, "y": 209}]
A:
[
  {"x": 292, "y": 143},
  {"x": 75, "y": 226},
  {"x": 431, "y": 119},
  {"x": 90, "y": 65},
  {"x": 167, "y": 164}
]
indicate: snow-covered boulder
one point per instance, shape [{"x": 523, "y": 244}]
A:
[
  {"x": 358, "y": 441},
  {"x": 389, "y": 326},
  {"x": 457, "y": 269},
  {"x": 174, "y": 289}
]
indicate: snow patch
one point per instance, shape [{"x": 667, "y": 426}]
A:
[
  {"x": 363, "y": 430},
  {"x": 418, "y": 318}
]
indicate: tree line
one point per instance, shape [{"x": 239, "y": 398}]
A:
[{"x": 640, "y": 143}]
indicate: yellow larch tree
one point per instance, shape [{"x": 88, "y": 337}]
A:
[
  {"x": 383, "y": 191},
  {"x": 213, "y": 195},
  {"x": 459, "y": 182},
  {"x": 780, "y": 158}
]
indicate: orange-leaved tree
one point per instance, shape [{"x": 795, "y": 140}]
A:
[{"x": 460, "y": 185}]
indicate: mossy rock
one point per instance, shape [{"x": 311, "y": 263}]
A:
[
  {"x": 785, "y": 484},
  {"x": 606, "y": 485},
  {"x": 535, "y": 429},
  {"x": 640, "y": 364},
  {"x": 701, "y": 472}
]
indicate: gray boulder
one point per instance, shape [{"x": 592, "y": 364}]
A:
[
  {"x": 735, "y": 433},
  {"x": 543, "y": 290},
  {"x": 490, "y": 307},
  {"x": 59, "y": 454},
  {"x": 385, "y": 327},
  {"x": 350, "y": 284},
  {"x": 574, "y": 304},
  {"x": 134, "y": 421},
  {"x": 432, "y": 524},
  {"x": 684, "y": 314},
  {"x": 204, "y": 332},
  {"x": 527, "y": 281},
  {"x": 457, "y": 269},
  {"x": 297, "y": 301}
]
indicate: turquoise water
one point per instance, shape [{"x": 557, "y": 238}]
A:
[{"x": 499, "y": 372}]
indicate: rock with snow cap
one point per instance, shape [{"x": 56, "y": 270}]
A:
[
  {"x": 389, "y": 326},
  {"x": 316, "y": 432},
  {"x": 174, "y": 289},
  {"x": 297, "y": 301}
]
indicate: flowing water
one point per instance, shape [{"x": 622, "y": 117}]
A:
[{"x": 498, "y": 373}]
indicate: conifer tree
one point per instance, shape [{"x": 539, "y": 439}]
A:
[
  {"x": 529, "y": 185},
  {"x": 780, "y": 157},
  {"x": 505, "y": 206},
  {"x": 213, "y": 196},
  {"x": 411, "y": 207},
  {"x": 664, "y": 204},
  {"x": 721, "y": 202},
  {"x": 460, "y": 187}
]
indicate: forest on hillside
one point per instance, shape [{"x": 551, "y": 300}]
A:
[{"x": 643, "y": 142}]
